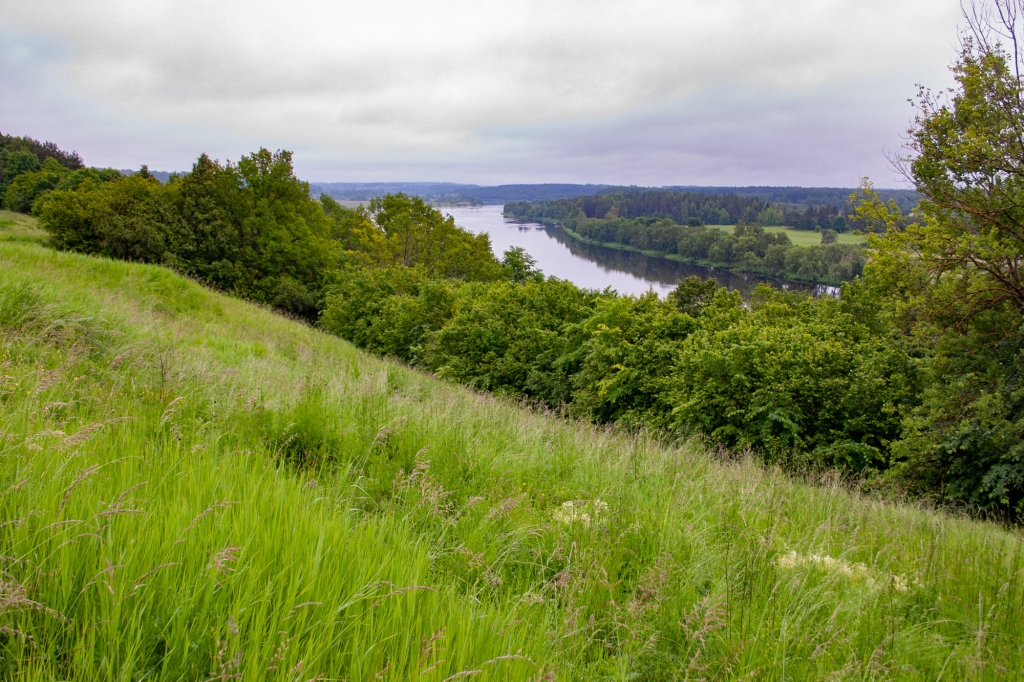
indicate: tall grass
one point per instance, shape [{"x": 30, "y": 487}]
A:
[{"x": 195, "y": 488}]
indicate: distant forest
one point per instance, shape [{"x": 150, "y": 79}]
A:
[
  {"x": 162, "y": 176},
  {"x": 450, "y": 192},
  {"x": 683, "y": 208},
  {"x": 794, "y": 199},
  {"x": 807, "y": 196},
  {"x": 445, "y": 192}
]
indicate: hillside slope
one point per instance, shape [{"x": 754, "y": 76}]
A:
[{"x": 196, "y": 488}]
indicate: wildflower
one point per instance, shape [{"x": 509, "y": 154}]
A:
[
  {"x": 854, "y": 572},
  {"x": 570, "y": 512}
]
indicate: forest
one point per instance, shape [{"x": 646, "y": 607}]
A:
[
  {"x": 809, "y": 196},
  {"x": 37, "y": 166},
  {"x": 909, "y": 382},
  {"x": 681, "y": 207},
  {"x": 746, "y": 248},
  {"x": 682, "y": 225}
]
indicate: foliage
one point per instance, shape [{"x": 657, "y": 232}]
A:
[
  {"x": 628, "y": 348},
  {"x": 509, "y": 338},
  {"x": 21, "y": 155},
  {"x": 711, "y": 208},
  {"x": 501, "y": 336},
  {"x": 948, "y": 285},
  {"x": 23, "y": 191},
  {"x": 411, "y": 233},
  {"x": 750, "y": 248},
  {"x": 372, "y": 308},
  {"x": 789, "y": 197},
  {"x": 677, "y": 206},
  {"x": 41, "y": 150},
  {"x": 792, "y": 376},
  {"x": 251, "y": 228},
  {"x": 520, "y": 266}
]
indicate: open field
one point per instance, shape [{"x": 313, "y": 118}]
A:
[
  {"x": 802, "y": 237},
  {"x": 196, "y": 488}
]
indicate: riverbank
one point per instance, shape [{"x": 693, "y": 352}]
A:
[{"x": 712, "y": 265}]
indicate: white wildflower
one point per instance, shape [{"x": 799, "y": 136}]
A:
[
  {"x": 580, "y": 511},
  {"x": 854, "y": 572}
]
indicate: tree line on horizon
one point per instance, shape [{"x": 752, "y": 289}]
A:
[
  {"x": 684, "y": 207},
  {"x": 796, "y": 199}
]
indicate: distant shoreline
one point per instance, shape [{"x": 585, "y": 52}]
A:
[{"x": 691, "y": 261}]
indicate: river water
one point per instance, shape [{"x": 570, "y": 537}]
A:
[{"x": 596, "y": 267}]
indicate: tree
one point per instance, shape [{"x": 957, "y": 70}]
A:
[
  {"x": 415, "y": 234},
  {"x": 950, "y": 281},
  {"x": 27, "y": 187},
  {"x": 692, "y": 295},
  {"x": 20, "y": 155},
  {"x": 13, "y": 164},
  {"x": 521, "y": 267}
]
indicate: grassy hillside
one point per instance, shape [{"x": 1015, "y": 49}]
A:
[
  {"x": 19, "y": 227},
  {"x": 196, "y": 488}
]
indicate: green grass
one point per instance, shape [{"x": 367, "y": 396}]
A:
[
  {"x": 195, "y": 488},
  {"x": 19, "y": 227},
  {"x": 801, "y": 237}
]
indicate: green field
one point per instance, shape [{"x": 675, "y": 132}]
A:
[
  {"x": 802, "y": 237},
  {"x": 19, "y": 227},
  {"x": 195, "y": 488}
]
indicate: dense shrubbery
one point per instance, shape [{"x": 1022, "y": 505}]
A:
[
  {"x": 29, "y": 168},
  {"x": 792, "y": 376},
  {"x": 749, "y": 248},
  {"x": 252, "y": 229}
]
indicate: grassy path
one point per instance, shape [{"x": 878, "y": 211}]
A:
[{"x": 195, "y": 488}]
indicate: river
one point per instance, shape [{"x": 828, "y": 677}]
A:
[{"x": 596, "y": 267}]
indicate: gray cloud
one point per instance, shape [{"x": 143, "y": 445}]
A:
[
  {"x": 656, "y": 91},
  {"x": 832, "y": 135}
]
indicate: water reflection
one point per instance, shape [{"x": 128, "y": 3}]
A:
[
  {"x": 668, "y": 272},
  {"x": 597, "y": 267}
]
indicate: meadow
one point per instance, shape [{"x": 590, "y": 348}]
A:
[
  {"x": 802, "y": 237},
  {"x": 19, "y": 227},
  {"x": 197, "y": 488}
]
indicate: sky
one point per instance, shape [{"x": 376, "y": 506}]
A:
[{"x": 680, "y": 92}]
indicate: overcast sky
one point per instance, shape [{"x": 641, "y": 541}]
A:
[{"x": 704, "y": 92}]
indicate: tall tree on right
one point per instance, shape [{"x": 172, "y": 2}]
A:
[{"x": 950, "y": 280}]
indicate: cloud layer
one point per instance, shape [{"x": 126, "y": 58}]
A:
[{"x": 726, "y": 90}]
